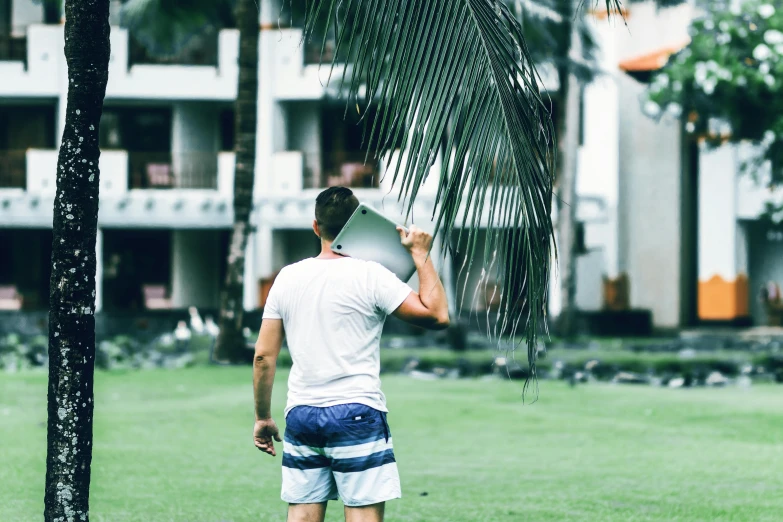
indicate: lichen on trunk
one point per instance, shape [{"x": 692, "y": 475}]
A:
[{"x": 72, "y": 284}]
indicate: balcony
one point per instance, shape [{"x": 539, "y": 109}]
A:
[
  {"x": 164, "y": 170},
  {"x": 206, "y": 72},
  {"x": 294, "y": 171},
  {"x": 122, "y": 171},
  {"x": 295, "y": 65},
  {"x": 179, "y": 203},
  {"x": 30, "y": 65}
]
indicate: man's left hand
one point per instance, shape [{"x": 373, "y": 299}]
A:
[{"x": 265, "y": 433}]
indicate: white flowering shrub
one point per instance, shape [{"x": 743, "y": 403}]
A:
[{"x": 728, "y": 82}]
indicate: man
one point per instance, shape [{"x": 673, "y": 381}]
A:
[{"x": 332, "y": 309}]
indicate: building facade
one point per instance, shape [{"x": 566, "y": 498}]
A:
[{"x": 655, "y": 223}]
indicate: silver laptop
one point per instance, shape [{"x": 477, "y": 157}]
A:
[{"x": 371, "y": 236}]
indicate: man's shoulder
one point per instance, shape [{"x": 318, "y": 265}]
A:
[{"x": 293, "y": 267}]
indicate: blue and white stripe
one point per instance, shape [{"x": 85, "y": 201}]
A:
[{"x": 327, "y": 451}]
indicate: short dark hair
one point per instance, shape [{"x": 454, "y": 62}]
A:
[{"x": 333, "y": 207}]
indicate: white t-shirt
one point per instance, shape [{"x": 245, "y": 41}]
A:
[{"x": 333, "y": 312}]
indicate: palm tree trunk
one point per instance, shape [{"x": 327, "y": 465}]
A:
[
  {"x": 231, "y": 343},
  {"x": 568, "y": 128},
  {"x": 72, "y": 285}
]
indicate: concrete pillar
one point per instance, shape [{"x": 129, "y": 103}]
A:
[
  {"x": 554, "y": 299},
  {"x": 271, "y": 135},
  {"x": 599, "y": 173},
  {"x": 723, "y": 278},
  {"x": 61, "y": 110},
  {"x": 263, "y": 253},
  {"x": 24, "y": 14},
  {"x": 99, "y": 271},
  {"x": 649, "y": 211},
  {"x": 195, "y": 141},
  {"x": 304, "y": 131},
  {"x": 444, "y": 263},
  {"x": 250, "y": 282},
  {"x": 195, "y": 268}
]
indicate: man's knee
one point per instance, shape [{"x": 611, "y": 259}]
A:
[
  {"x": 372, "y": 513},
  {"x": 306, "y": 512}
]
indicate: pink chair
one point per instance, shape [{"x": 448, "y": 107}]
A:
[
  {"x": 155, "y": 297},
  {"x": 10, "y": 299},
  {"x": 159, "y": 175}
]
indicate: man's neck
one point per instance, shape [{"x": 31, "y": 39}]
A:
[{"x": 326, "y": 251}]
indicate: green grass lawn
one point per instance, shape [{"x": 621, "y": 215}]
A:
[{"x": 176, "y": 446}]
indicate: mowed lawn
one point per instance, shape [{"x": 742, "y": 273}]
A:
[{"x": 176, "y": 446}]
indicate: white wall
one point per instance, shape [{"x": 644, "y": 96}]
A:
[
  {"x": 650, "y": 29},
  {"x": 649, "y": 214}
]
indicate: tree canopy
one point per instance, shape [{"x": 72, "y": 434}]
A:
[{"x": 728, "y": 82}]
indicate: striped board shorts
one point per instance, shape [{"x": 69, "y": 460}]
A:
[{"x": 344, "y": 451}]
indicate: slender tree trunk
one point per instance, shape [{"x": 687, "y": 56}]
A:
[
  {"x": 72, "y": 285},
  {"x": 231, "y": 343},
  {"x": 568, "y": 129}
]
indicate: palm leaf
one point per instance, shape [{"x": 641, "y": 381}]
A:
[{"x": 459, "y": 72}]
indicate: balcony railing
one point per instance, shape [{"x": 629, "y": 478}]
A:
[
  {"x": 13, "y": 48},
  {"x": 12, "y": 169},
  {"x": 165, "y": 170}
]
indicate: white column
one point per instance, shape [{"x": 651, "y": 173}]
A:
[
  {"x": 99, "y": 271},
  {"x": 61, "y": 110},
  {"x": 263, "y": 254},
  {"x": 195, "y": 262},
  {"x": 555, "y": 301},
  {"x": 194, "y": 144},
  {"x": 271, "y": 127},
  {"x": 599, "y": 175},
  {"x": 723, "y": 289},
  {"x": 445, "y": 265},
  {"x": 250, "y": 282}
]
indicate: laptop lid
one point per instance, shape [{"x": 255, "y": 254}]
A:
[{"x": 371, "y": 236}]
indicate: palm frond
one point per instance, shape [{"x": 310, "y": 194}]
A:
[{"x": 430, "y": 67}]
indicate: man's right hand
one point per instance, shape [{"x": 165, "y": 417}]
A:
[
  {"x": 429, "y": 308},
  {"x": 265, "y": 432},
  {"x": 416, "y": 241}
]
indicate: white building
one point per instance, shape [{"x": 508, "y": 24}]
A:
[
  {"x": 688, "y": 236},
  {"x": 167, "y": 171},
  {"x": 167, "y": 164}
]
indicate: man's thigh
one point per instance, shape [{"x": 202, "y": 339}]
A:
[
  {"x": 306, "y": 512},
  {"x": 373, "y": 513},
  {"x": 359, "y": 445},
  {"x": 307, "y": 473}
]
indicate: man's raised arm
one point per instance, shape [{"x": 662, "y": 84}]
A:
[{"x": 429, "y": 308}]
